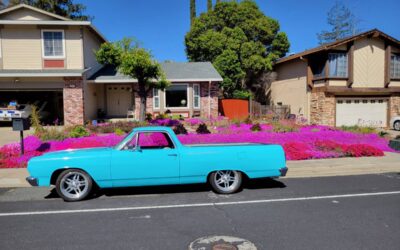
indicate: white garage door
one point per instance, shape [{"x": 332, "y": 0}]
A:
[{"x": 361, "y": 111}]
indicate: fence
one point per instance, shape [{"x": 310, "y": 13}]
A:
[{"x": 276, "y": 111}]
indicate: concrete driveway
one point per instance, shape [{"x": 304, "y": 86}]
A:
[{"x": 7, "y": 135}]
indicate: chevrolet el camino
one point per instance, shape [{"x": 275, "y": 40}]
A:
[{"x": 154, "y": 156}]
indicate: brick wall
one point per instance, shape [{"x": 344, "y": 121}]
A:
[
  {"x": 322, "y": 108},
  {"x": 394, "y": 105},
  {"x": 205, "y": 100},
  {"x": 149, "y": 102},
  {"x": 73, "y": 101}
]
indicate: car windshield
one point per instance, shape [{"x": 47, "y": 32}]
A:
[{"x": 123, "y": 141}]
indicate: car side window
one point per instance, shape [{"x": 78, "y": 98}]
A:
[{"x": 155, "y": 140}]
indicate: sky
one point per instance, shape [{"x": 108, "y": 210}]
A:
[{"x": 161, "y": 25}]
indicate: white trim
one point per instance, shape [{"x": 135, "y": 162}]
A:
[
  {"x": 58, "y": 74},
  {"x": 187, "y": 95},
  {"x": 171, "y": 80},
  {"x": 63, "y": 43},
  {"x": 20, "y": 6},
  {"x": 159, "y": 99},
  {"x": 205, "y": 204},
  {"x": 194, "y": 96},
  {"x": 43, "y": 22}
]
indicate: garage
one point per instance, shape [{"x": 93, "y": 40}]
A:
[
  {"x": 50, "y": 103},
  {"x": 362, "y": 111}
]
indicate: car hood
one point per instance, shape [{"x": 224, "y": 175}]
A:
[{"x": 73, "y": 153}]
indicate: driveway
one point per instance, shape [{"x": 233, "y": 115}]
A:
[{"x": 7, "y": 135}]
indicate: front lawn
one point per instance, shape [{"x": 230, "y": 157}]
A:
[{"x": 299, "y": 142}]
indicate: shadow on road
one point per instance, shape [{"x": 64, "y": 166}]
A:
[{"x": 262, "y": 183}]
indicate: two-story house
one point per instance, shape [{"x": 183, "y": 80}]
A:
[
  {"x": 353, "y": 81},
  {"x": 47, "y": 58}
]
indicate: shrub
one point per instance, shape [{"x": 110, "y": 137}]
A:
[
  {"x": 327, "y": 145},
  {"x": 248, "y": 120},
  {"x": 296, "y": 151},
  {"x": 105, "y": 128},
  {"x": 358, "y": 150},
  {"x": 53, "y": 133},
  {"x": 119, "y": 131},
  {"x": 285, "y": 126},
  {"x": 180, "y": 129},
  {"x": 256, "y": 127},
  {"x": 165, "y": 122},
  {"x": 202, "y": 129},
  {"x": 78, "y": 131},
  {"x": 35, "y": 121},
  {"x": 359, "y": 129},
  {"x": 149, "y": 117}
]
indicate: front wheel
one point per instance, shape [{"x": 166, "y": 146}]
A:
[
  {"x": 74, "y": 185},
  {"x": 396, "y": 126},
  {"x": 226, "y": 181}
]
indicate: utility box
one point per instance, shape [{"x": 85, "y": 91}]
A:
[{"x": 21, "y": 124}]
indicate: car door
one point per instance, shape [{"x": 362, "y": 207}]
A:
[{"x": 150, "y": 158}]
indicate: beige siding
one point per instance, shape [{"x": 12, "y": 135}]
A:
[
  {"x": 22, "y": 48},
  {"x": 337, "y": 83},
  {"x": 291, "y": 87},
  {"x": 90, "y": 101},
  {"x": 369, "y": 58},
  {"x": 73, "y": 48},
  {"x": 90, "y": 43},
  {"x": 25, "y": 14}
]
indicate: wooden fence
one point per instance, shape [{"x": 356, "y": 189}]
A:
[{"x": 257, "y": 110}]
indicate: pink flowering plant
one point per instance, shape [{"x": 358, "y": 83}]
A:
[{"x": 305, "y": 142}]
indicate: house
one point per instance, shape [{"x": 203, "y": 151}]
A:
[
  {"x": 46, "y": 58},
  {"x": 353, "y": 81}
]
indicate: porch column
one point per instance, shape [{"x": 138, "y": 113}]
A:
[{"x": 73, "y": 101}]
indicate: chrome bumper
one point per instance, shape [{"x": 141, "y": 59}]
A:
[
  {"x": 32, "y": 180},
  {"x": 283, "y": 171}
]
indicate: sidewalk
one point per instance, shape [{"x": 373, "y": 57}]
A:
[{"x": 297, "y": 169}]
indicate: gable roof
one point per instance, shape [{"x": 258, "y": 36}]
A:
[
  {"x": 174, "y": 71},
  {"x": 25, "y": 6},
  {"x": 327, "y": 46}
]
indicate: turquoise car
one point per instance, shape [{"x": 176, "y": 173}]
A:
[{"x": 154, "y": 156}]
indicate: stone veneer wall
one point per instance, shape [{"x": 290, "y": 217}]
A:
[
  {"x": 205, "y": 101},
  {"x": 73, "y": 101},
  {"x": 322, "y": 108},
  {"x": 394, "y": 105},
  {"x": 149, "y": 103}
]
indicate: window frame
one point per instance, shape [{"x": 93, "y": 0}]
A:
[
  {"x": 329, "y": 75},
  {"x": 392, "y": 74},
  {"x": 187, "y": 96},
  {"x": 155, "y": 90},
  {"x": 63, "y": 44},
  {"x": 194, "y": 96},
  {"x": 153, "y": 131}
]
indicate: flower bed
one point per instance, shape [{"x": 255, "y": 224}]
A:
[{"x": 310, "y": 142}]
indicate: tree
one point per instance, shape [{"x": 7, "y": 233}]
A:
[
  {"x": 192, "y": 11},
  {"x": 65, "y": 8},
  {"x": 136, "y": 62},
  {"x": 342, "y": 21},
  {"x": 240, "y": 41},
  {"x": 209, "y": 5}
]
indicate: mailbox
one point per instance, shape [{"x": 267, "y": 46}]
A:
[{"x": 20, "y": 124}]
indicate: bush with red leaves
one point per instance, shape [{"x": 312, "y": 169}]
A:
[
  {"x": 359, "y": 150},
  {"x": 297, "y": 151}
]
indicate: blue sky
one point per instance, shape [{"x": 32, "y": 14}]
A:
[{"x": 160, "y": 25}]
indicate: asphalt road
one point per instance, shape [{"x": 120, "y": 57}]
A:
[{"x": 351, "y": 212}]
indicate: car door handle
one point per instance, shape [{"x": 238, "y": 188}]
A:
[{"x": 172, "y": 155}]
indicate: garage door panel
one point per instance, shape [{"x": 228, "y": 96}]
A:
[{"x": 361, "y": 111}]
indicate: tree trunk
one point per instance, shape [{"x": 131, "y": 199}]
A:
[{"x": 143, "y": 102}]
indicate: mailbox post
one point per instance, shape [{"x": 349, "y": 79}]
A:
[{"x": 21, "y": 124}]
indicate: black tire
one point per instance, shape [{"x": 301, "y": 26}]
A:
[
  {"x": 74, "y": 185},
  {"x": 225, "y": 185},
  {"x": 396, "y": 125}
]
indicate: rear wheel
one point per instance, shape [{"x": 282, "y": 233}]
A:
[
  {"x": 74, "y": 185},
  {"x": 396, "y": 126},
  {"x": 226, "y": 181}
]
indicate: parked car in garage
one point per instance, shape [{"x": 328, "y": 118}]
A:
[
  {"x": 395, "y": 123},
  {"x": 154, "y": 156},
  {"x": 21, "y": 111}
]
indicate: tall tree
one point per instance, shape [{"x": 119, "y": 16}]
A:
[
  {"x": 209, "y": 5},
  {"x": 192, "y": 11},
  {"x": 65, "y": 8},
  {"x": 240, "y": 41},
  {"x": 342, "y": 21},
  {"x": 136, "y": 62}
]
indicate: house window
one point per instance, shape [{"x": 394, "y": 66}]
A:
[
  {"x": 395, "y": 66},
  {"x": 156, "y": 98},
  {"x": 176, "y": 96},
  {"x": 53, "y": 44},
  {"x": 196, "y": 96},
  {"x": 337, "y": 64}
]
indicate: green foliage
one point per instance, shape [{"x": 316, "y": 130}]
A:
[
  {"x": 239, "y": 40},
  {"x": 119, "y": 131},
  {"x": 65, "y": 8},
  {"x": 382, "y": 133},
  {"x": 202, "y": 129},
  {"x": 209, "y": 5},
  {"x": 359, "y": 129},
  {"x": 35, "y": 121},
  {"x": 284, "y": 126},
  {"x": 256, "y": 127},
  {"x": 78, "y": 131},
  {"x": 242, "y": 94},
  {"x": 192, "y": 11},
  {"x": 136, "y": 62},
  {"x": 180, "y": 129},
  {"x": 126, "y": 127},
  {"x": 342, "y": 21},
  {"x": 149, "y": 117}
]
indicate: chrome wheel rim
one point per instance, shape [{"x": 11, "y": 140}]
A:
[
  {"x": 226, "y": 180},
  {"x": 397, "y": 125},
  {"x": 74, "y": 185}
]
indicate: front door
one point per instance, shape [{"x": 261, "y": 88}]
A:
[
  {"x": 119, "y": 100},
  {"x": 154, "y": 161}
]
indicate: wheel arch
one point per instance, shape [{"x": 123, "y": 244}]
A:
[
  {"x": 244, "y": 175},
  {"x": 57, "y": 173}
]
